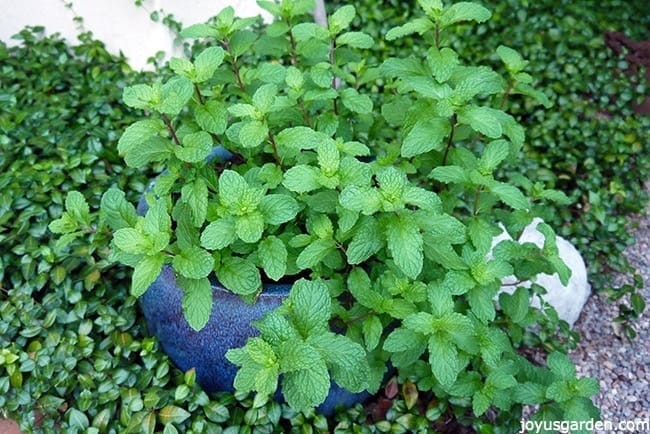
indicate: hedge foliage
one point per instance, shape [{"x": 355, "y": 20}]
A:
[{"x": 590, "y": 144}]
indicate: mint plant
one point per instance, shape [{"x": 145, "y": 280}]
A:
[{"x": 373, "y": 189}]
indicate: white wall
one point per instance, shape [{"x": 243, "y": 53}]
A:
[{"x": 120, "y": 24}]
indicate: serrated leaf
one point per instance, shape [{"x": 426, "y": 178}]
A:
[
  {"x": 403, "y": 339},
  {"x": 356, "y": 102},
  {"x": 139, "y": 96},
  {"x": 482, "y": 304},
  {"x": 529, "y": 393},
  {"x": 511, "y": 58},
  {"x": 207, "y": 62},
  {"x": 442, "y": 63},
  {"x": 515, "y": 305},
  {"x": 249, "y": 227},
  {"x": 242, "y": 110},
  {"x": 137, "y": 133},
  {"x": 116, "y": 210},
  {"x": 494, "y": 153},
  {"x": 510, "y": 195},
  {"x": 200, "y": 31},
  {"x": 145, "y": 273},
  {"x": 417, "y": 25},
  {"x": 175, "y": 94},
  {"x": 211, "y": 117},
  {"x": 195, "y": 194},
  {"x": 426, "y": 135},
  {"x": 197, "y": 301},
  {"x": 232, "y": 187},
  {"x": 464, "y": 11},
  {"x": 239, "y": 276},
  {"x": 301, "y": 178},
  {"x": 278, "y": 208},
  {"x": 405, "y": 245},
  {"x": 264, "y": 96},
  {"x": 345, "y": 358},
  {"x": 360, "y": 199},
  {"x": 480, "y": 403},
  {"x": 196, "y": 147},
  {"x": 355, "y": 40},
  {"x": 450, "y": 174},
  {"x": 443, "y": 358},
  {"x": 361, "y": 288},
  {"x": 372, "y": 330},
  {"x": 273, "y": 255},
  {"x": 341, "y": 19},
  {"x": 366, "y": 242},
  {"x": 193, "y": 263},
  {"x": 315, "y": 252},
  {"x": 253, "y": 133},
  {"x": 298, "y": 138},
  {"x": 306, "y": 388},
  {"x": 561, "y": 365},
  {"x": 219, "y": 234},
  {"x": 482, "y": 119},
  {"x": 132, "y": 240}
]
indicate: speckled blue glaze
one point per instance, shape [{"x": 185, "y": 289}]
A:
[{"x": 229, "y": 326}]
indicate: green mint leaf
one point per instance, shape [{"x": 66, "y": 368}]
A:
[
  {"x": 253, "y": 133},
  {"x": 372, "y": 330},
  {"x": 137, "y": 133},
  {"x": 276, "y": 329},
  {"x": 145, "y": 272},
  {"x": 200, "y": 31},
  {"x": 155, "y": 149},
  {"x": 139, "y": 96},
  {"x": 219, "y": 234},
  {"x": 561, "y": 365},
  {"x": 440, "y": 299},
  {"x": 211, "y": 117},
  {"x": 423, "y": 199},
  {"x": 361, "y": 199},
  {"x": 402, "y": 339},
  {"x": 529, "y": 393},
  {"x": 450, "y": 175},
  {"x": 239, "y": 276},
  {"x": 480, "y": 403},
  {"x": 175, "y": 94},
  {"x": 361, "y": 288},
  {"x": 197, "y": 301},
  {"x": 420, "y": 322},
  {"x": 273, "y": 255},
  {"x": 195, "y": 195},
  {"x": 356, "y": 102},
  {"x": 481, "y": 119},
  {"x": 510, "y": 195},
  {"x": 443, "y": 358},
  {"x": 77, "y": 207},
  {"x": 196, "y": 147},
  {"x": 329, "y": 157},
  {"x": 64, "y": 225},
  {"x": 345, "y": 358},
  {"x": 193, "y": 263},
  {"x": 261, "y": 352},
  {"x": 315, "y": 252},
  {"x": 443, "y": 63},
  {"x": 157, "y": 223},
  {"x": 232, "y": 188},
  {"x": 133, "y": 241},
  {"x": 478, "y": 81},
  {"x": 298, "y": 138},
  {"x": 366, "y": 242},
  {"x": 242, "y": 110},
  {"x": 310, "y": 304},
  {"x": 207, "y": 62},
  {"x": 417, "y": 25},
  {"x": 512, "y": 59},
  {"x": 355, "y": 40},
  {"x": 480, "y": 300},
  {"x": 341, "y": 19},
  {"x": 116, "y": 211},
  {"x": 559, "y": 391},
  {"x": 278, "y": 208},
  {"x": 515, "y": 305},
  {"x": 182, "y": 66},
  {"x": 494, "y": 153},
  {"x": 249, "y": 227},
  {"x": 264, "y": 96},
  {"x": 426, "y": 135},
  {"x": 405, "y": 245},
  {"x": 464, "y": 11},
  {"x": 306, "y": 388},
  {"x": 301, "y": 178}
]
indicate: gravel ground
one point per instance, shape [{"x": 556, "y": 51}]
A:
[{"x": 621, "y": 367}]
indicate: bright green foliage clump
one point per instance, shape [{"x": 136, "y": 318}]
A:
[
  {"x": 380, "y": 185},
  {"x": 590, "y": 145}
]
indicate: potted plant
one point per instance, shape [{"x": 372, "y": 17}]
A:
[{"x": 373, "y": 192}]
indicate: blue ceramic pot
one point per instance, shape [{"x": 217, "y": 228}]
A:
[{"x": 229, "y": 327}]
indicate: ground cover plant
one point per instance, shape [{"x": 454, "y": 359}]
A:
[{"x": 591, "y": 144}]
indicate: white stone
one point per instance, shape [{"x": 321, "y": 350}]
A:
[{"x": 567, "y": 300}]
